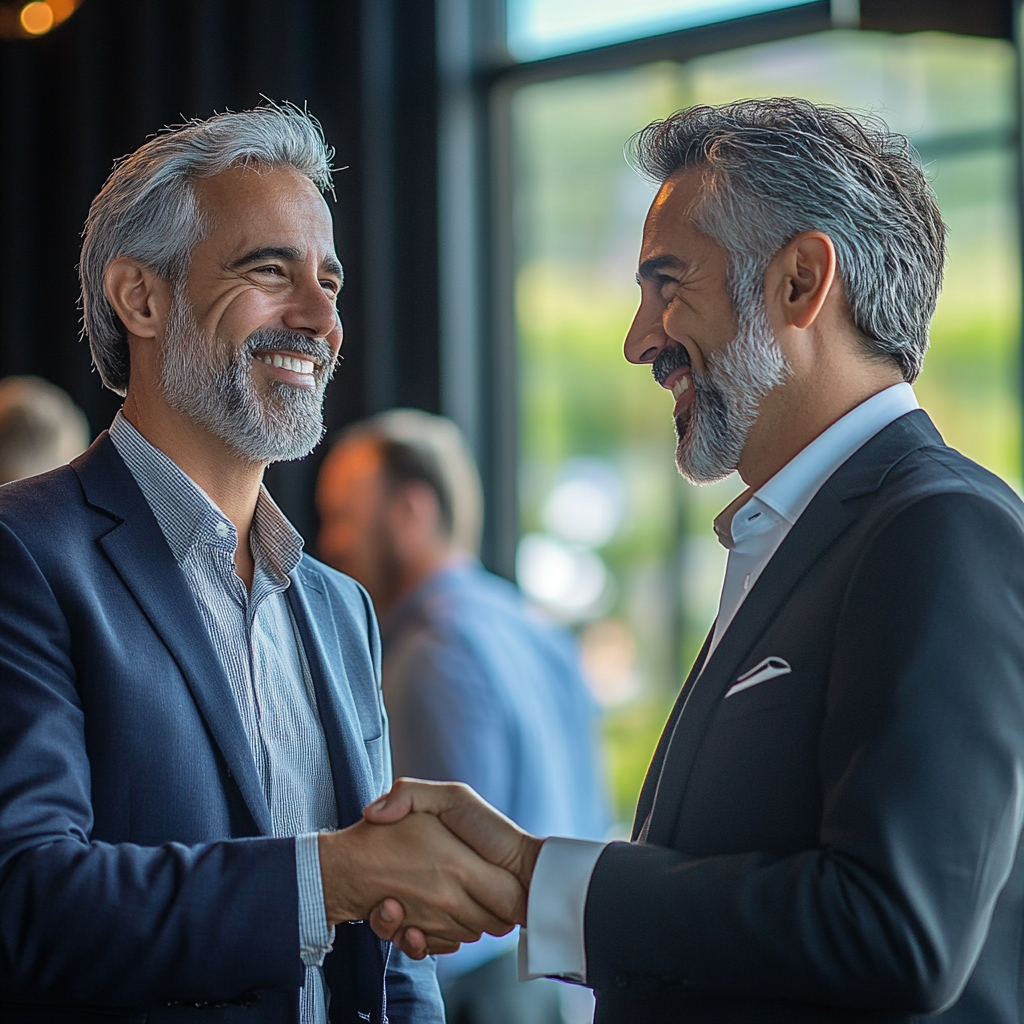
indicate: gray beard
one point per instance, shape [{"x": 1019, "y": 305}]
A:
[
  {"x": 213, "y": 386},
  {"x": 712, "y": 433}
]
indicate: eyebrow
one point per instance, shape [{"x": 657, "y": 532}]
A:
[
  {"x": 649, "y": 268},
  {"x": 284, "y": 252}
]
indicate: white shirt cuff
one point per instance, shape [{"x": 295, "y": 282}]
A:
[
  {"x": 315, "y": 938},
  {"x": 553, "y": 945}
]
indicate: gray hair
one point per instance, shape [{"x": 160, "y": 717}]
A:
[
  {"x": 418, "y": 446},
  {"x": 148, "y": 210},
  {"x": 773, "y": 168}
]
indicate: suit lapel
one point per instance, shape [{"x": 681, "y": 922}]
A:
[
  {"x": 138, "y": 551},
  {"x": 353, "y": 779},
  {"x": 649, "y": 790},
  {"x": 826, "y": 518}
]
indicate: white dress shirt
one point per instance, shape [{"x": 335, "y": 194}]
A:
[{"x": 554, "y": 945}]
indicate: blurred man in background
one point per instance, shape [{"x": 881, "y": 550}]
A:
[
  {"x": 40, "y": 428},
  {"x": 479, "y": 688}
]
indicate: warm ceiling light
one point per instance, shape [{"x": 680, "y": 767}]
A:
[
  {"x": 62, "y": 9},
  {"x": 37, "y": 18}
]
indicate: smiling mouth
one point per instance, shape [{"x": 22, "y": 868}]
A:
[
  {"x": 679, "y": 383},
  {"x": 286, "y": 362}
]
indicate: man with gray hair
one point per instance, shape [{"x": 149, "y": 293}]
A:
[
  {"x": 479, "y": 687},
  {"x": 830, "y": 828},
  {"x": 192, "y": 716}
]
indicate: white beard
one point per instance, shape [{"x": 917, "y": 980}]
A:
[
  {"x": 213, "y": 386},
  {"x": 712, "y": 433}
]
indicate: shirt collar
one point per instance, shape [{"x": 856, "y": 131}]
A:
[
  {"x": 793, "y": 487},
  {"x": 186, "y": 514}
]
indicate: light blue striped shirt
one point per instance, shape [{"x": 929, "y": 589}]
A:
[{"x": 258, "y": 644}]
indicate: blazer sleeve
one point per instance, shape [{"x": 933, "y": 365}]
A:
[
  {"x": 91, "y": 922},
  {"x": 921, "y": 765}
]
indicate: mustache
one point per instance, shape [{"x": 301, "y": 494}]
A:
[
  {"x": 668, "y": 360},
  {"x": 316, "y": 349}
]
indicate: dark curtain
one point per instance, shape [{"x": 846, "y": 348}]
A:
[{"x": 93, "y": 89}]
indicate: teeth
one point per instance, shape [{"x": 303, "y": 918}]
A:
[
  {"x": 292, "y": 363},
  {"x": 680, "y": 386}
]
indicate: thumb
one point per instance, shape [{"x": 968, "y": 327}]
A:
[
  {"x": 391, "y": 807},
  {"x": 419, "y": 795},
  {"x": 482, "y": 828}
]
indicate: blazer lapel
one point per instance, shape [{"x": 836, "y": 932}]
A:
[
  {"x": 649, "y": 790},
  {"x": 140, "y": 554},
  {"x": 354, "y": 786},
  {"x": 829, "y": 514}
]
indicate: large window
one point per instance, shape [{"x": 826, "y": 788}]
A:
[
  {"x": 614, "y": 542},
  {"x": 541, "y": 28}
]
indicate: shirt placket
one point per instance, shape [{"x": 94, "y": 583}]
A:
[{"x": 265, "y": 585}]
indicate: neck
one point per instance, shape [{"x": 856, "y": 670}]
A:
[
  {"x": 815, "y": 397},
  {"x": 232, "y": 484},
  {"x": 414, "y": 572}
]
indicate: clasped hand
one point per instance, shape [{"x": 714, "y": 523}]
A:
[{"x": 431, "y": 866}]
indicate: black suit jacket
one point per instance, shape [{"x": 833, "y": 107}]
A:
[
  {"x": 138, "y": 876},
  {"x": 840, "y": 842}
]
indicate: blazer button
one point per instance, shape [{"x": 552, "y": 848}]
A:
[{"x": 622, "y": 980}]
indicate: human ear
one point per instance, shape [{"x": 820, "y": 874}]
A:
[
  {"x": 800, "y": 277},
  {"x": 139, "y": 296}
]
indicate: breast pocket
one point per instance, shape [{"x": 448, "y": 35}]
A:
[
  {"x": 769, "y": 683},
  {"x": 754, "y": 702}
]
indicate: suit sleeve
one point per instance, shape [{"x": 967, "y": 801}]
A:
[
  {"x": 921, "y": 764},
  {"x": 91, "y": 922}
]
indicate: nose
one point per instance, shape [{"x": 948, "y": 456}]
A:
[
  {"x": 313, "y": 311},
  {"x": 646, "y": 336}
]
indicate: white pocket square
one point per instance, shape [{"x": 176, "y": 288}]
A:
[{"x": 760, "y": 673}]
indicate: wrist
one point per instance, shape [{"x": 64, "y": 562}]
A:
[
  {"x": 335, "y": 873},
  {"x": 528, "y": 860}
]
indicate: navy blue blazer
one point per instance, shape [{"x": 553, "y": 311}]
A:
[
  {"x": 841, "y": 841},
  {"x": 138, "y": 876}
]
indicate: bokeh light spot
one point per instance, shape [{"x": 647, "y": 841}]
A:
[
  {"x": 37, "y": 18},
  {"x": 62, "y": 9}
]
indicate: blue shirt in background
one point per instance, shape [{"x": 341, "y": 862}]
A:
[{"x": 481, "y": 688}]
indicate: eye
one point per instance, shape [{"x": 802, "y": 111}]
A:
[{"x": 666, "y": 285}]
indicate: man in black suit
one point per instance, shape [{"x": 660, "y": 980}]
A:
[{"x": 829, "y": 830}]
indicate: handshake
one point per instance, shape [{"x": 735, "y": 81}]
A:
[{"x": 430, "y": 866}]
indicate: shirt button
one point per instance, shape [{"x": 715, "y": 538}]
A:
[{"x": 222, "y": 530}]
